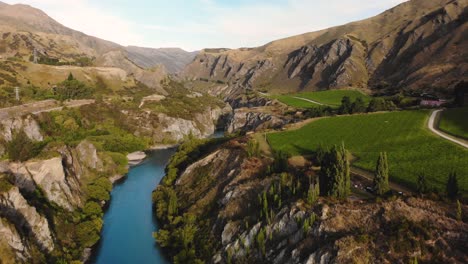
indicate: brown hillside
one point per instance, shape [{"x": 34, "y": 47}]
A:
[{"x": 417, "y": 45}]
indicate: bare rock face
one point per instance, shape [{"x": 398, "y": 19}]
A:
[
  {"x": 50, "y": 176},
  {"x": 87, "y": 155},
  {"x": 245, "y": 119},
  {"x": 58, "y": 177},
  {"x": 201, "y": 126},
  {"x": 15, "y": 207},
  {"x": 328, "y": 66},
  {"x": 28, "y": 125},
  {"x": 9, "y": 238}
]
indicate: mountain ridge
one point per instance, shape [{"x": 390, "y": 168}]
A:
[
  {"x": 369, "y": 54},
  {"x": 26, "y": 28}
]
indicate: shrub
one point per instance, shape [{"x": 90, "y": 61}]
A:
[
  {"x": 5, "y": 184},
  {"x": 104, "y": 183},
  {"x": 123, "y": 143},
  {"x": 92, "y": 209},
  {"x": 313, "y": 193},
  {"x": 253, "y": 148},
  {"x": 452, "y": 186},
  {"x": 261, "y": 240},
  {"x": 22, "y": 148},
  {"x": 459, "y": 211},
  {"x": 421, "y": 184},
  {"x": 72, "y": 89},
  {"x": 88, "y": 232},
  {"x": 98, "y": 193}
]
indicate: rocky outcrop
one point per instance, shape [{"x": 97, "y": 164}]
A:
[
  {"x": 87, "y": 156},
  {"x": 246, "y": 119},
  {"x": 41, "y": 193},
  {"x": 11, "y": 241},
  {"x": 25, "y": 217},
  {"x": 28, "y": 125},
  {"x": 50, "y": 176},
  {"x": 58, "y": 177},
  {"x": 201, "y": 126}
]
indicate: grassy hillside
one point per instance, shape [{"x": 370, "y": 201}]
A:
[
  {"x": 455, "y": 122},
  {"x": 331, "y": 98},
  {"x": 411, "y": 148}
]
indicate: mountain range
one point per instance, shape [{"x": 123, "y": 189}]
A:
[
  {"x": 419, "y": 45},
  {"x": 26, "y": 30}
]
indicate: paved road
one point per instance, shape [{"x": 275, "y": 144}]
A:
[
  {"x": 433, "y": 127},
  {"x": 307, "y": 100}
]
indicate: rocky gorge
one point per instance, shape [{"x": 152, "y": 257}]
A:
[{"x": 245, "y": 209}]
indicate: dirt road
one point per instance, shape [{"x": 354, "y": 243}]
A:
[{"x": 307, "y": 100}]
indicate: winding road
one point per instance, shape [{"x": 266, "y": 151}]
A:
[{"x": 433, "y": 127}]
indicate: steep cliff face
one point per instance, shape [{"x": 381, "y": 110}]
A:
[
  {"x": 162, "y": 127},
  {"x": 49, "y": 175},
  {"x": 38, "y": 197},
  {"x": 416, "y": 45},
  {"x": 28, "y": 125},
  {"x": 244, "y": 213},
  {"x": 247, "y": 119},
  {"x": 16, "y": 208}
]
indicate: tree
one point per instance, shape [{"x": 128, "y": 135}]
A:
[
  {"x": 459, "y": 211},
  {"x": 376, "y": 104},
  {"x": 381, "y": 175},
  {"x": 335, "y": 174},
  {"x": 313, "y": 193},
  {"x": 280, "y": 163},
  {"x": 346, "y": 106},
  {"x": 422, "y": 184},
  {"x": 73, "y": 89},
  {"x": 172, "y": 208},
  {"x": 452, "y": 186},
  {"x": 253, "y": 148},
  {"x": 261, "y": 238},
  {"x": 92, "y": 209},
  {"x": 358, "y": 106},
  {"x": 414, "y": 260},
  {"x": 22, "y": 148},
  {"x": 70, "y": 77},
  {"x": 98, "y": 193}
]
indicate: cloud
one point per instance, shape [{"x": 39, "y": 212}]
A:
[
  {"x": 256, "y": 23},
  {"x": 83, "y": 16},
  {"x": 209, "y": 23}
]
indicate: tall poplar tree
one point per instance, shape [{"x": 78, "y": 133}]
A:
[
  {"x": 381, "y": 175},
  {"x": 335, "y": 173}
]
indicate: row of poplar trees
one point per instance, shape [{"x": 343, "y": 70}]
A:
[{"x": 335, "y": 178}]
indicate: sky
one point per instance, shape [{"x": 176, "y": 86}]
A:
[{"x": 197, "y": 24}]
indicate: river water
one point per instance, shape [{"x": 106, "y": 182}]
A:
[
  {"x": 126, "y": 237},
  {"x": 129, "y": 223}
]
